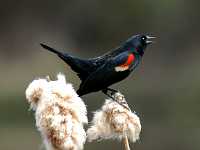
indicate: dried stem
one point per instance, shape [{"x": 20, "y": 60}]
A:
[
  {"x": 122, "y": 101},
  {"x": 126, "y": 143}
]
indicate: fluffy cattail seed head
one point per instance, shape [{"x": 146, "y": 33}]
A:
[
  {"x": 35, "y": 91},
  {"x": 59, "y": 112},
  {"x": 115, "y": 120}
]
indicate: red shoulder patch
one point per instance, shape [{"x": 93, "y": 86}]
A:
[{"x": 129, "y": 60}]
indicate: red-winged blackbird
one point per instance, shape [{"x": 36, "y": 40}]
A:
[{"x": 98, "y": 73}]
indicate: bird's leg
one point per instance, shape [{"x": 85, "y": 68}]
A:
[
  {"x": 111, "y": 94},
  {"x": 112, "y": 90},
  {"x": 105, "y": 91},
  {"x": 116, "y": 96}
]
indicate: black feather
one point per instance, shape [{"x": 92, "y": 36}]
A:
[{"x": 80, "y": 66}]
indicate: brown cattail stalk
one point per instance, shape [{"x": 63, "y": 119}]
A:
[{"x": 126, "y": 143}]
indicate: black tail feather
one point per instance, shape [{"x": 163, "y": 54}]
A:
[
  {"x": 80, "y": 66},
  {"x": 64, "y": 56},
  {"x": 51, "y": 49}
]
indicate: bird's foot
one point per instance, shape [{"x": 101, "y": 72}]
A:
[
  {"x": 116, "y": 96},
  {"x": 120, "y": 99},
  {"x": 110, "y": 92}
]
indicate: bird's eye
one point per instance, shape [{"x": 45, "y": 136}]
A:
[{"x": 143, "y": 38}]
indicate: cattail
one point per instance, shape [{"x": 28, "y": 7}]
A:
[
  {"x": 59, "y": 112},
  {"x": 115, "y": 120}
]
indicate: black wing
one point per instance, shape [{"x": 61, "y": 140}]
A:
[{"x": 105, "y": 75}]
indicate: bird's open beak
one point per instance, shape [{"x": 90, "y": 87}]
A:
[{"x": 149, "y": 41}]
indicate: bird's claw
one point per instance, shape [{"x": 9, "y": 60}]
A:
[
  {"x": 117, "y": 97},
  {"x": 120, "y": 99}
]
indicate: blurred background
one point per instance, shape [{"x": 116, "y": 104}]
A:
[{"x": 164, "y": 91}]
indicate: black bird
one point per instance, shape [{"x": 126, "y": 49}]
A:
[{"x": 97, "y": 74}]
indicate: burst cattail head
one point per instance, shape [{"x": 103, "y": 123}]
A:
[
  {"x": 35, "y": 91},
  {"x": 115, "y": 120},
  {"x": 60, "y": 113}
]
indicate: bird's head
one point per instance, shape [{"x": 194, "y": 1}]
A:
[{"x": 138, "y": 43}]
